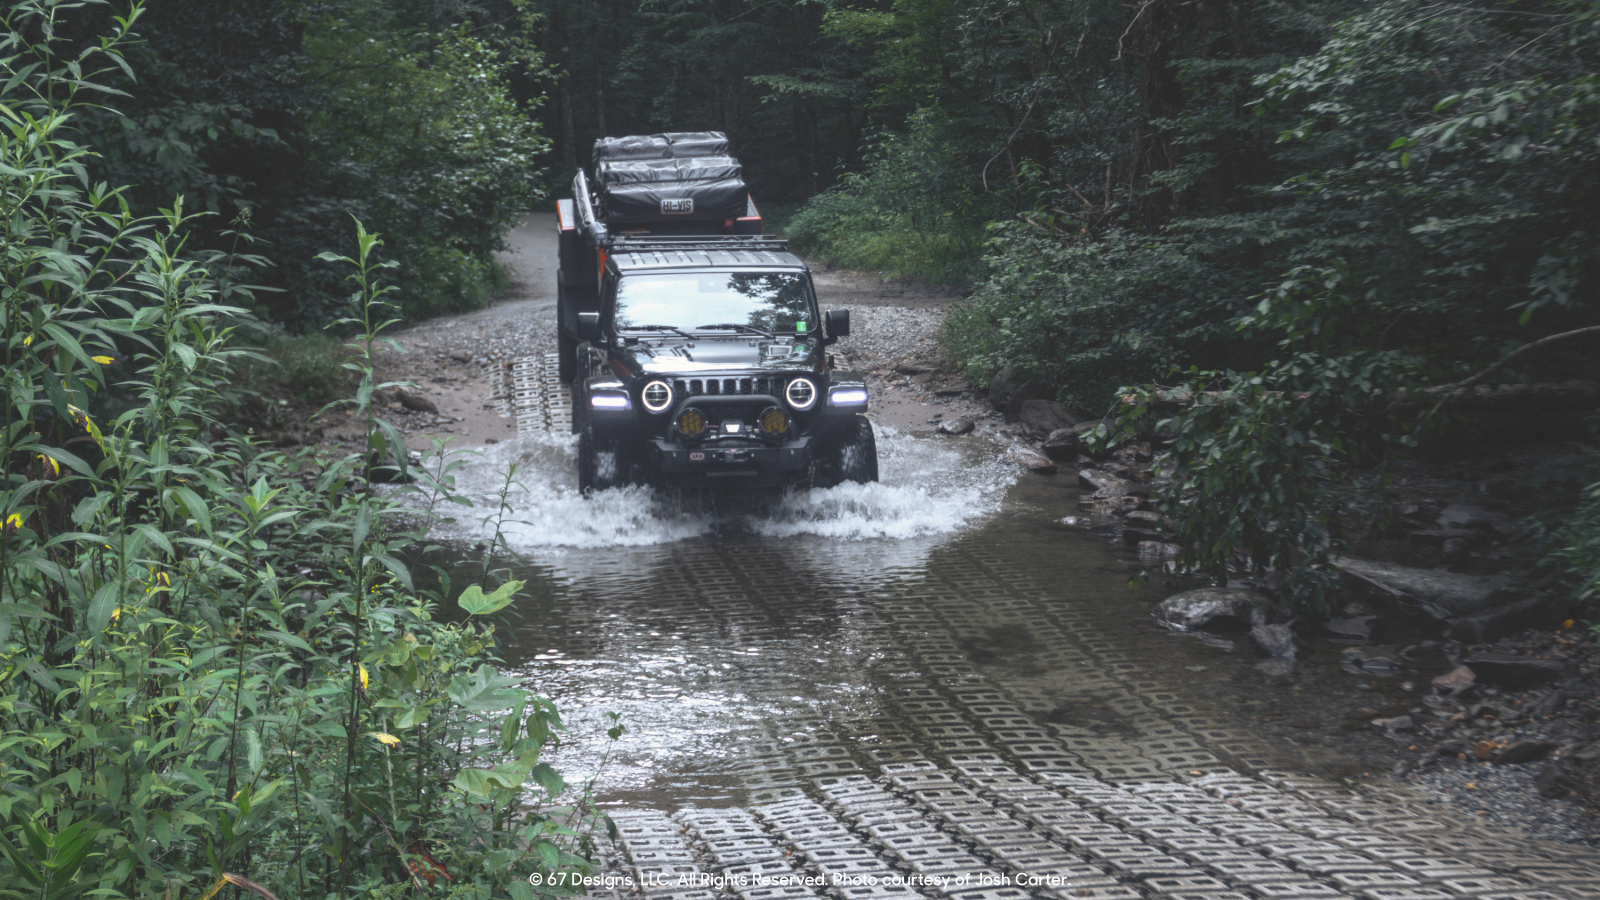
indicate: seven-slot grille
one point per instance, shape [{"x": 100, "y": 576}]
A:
[{"x": 695, "y": 387}]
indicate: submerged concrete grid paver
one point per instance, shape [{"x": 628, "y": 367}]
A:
[
  {"x": 921, "y": 831},
  {"x": 958, "y": 768}
]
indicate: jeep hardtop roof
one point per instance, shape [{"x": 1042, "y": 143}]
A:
[
  {"x": 702, "y": 259},
  {"x": 650, "y": 254}
]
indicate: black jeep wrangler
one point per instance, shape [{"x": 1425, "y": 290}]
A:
[
  {"x": 705, "y": 365},
  {"x": 693, "y": 345}
]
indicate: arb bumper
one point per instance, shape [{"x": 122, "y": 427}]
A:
[{"x": 753, "y": 466}]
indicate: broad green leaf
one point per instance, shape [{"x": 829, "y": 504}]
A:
[
  {"x": 196, "y": 507},
  {"x": 476, "y": 604}
]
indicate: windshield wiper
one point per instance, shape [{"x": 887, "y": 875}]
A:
[
  {"x": 745, "y": 328},
  {"x": 656, "y": 328}
]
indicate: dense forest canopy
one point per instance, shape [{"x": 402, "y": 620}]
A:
[{"x": 1170, "y": 160}]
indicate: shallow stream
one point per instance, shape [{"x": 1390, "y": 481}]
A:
[{"x": 748, "y": 646}]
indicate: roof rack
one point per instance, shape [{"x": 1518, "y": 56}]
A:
[{"x": 626, "y": 244}]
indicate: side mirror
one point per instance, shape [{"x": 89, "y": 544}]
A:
[
  {"x": 589, "y": 326},
  {"x": 837, "y": 323}
]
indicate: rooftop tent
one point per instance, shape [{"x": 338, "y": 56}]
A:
[
  {"x": 671, "y": 145},
  {"x": 632, "y": 171},
  {"x": 688, "y": 144},
  {"x": 649, "y": 201},
  {"x": 675, "y": 177}
]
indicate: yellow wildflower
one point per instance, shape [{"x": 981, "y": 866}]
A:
[
  {"x": 87, "y": 424},
  {"x": 27, "y": 341},
  {"x": 103, "y": 360}
]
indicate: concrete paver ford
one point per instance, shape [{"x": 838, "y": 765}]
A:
[{"x": 978, "y": 829}]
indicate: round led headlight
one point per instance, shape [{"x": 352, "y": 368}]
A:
[
  {"x": 774, "y": 422},
  {"x": 691, "y": 424},
  {"x": 657, "y": 396},
  {"x": 801, "y": 393}
]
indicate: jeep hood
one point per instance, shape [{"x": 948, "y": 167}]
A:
[{"x": 717, "y": 354}]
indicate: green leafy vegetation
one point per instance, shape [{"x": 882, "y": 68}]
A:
[
  {"x": 214, "y": 669},
  {"x": 909, "y": 213},
  {"x": 286, "y": 119},
  {"x": 307, "y": 368},
  {"x": 1293, "y": 215}
]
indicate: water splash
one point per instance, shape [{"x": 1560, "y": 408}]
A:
[{"x": 928, "y": 488}]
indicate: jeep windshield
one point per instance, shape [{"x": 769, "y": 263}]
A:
[{"x": 763, "y": 303}]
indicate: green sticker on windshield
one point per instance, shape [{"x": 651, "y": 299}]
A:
[{"x": 800, "y": 327}]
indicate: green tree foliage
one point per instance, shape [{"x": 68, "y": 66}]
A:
[
  {"x": 790, "y": 96},
  {"x": 213, "y": 669},
  {"x": 1294, "y": 209},
  {"x": 910, "y": 212},
  {"x": 286, "y": 118}
]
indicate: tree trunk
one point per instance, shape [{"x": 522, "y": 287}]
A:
[{"x": 1150, "y": 41}]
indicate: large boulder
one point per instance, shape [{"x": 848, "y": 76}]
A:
[
  {"x": 1214, "y": 608},
  {"x": 1110, "y": 506},
  {"x": 1040, "y": 418},
  {"x": 957, "y": 426},
  {"x": 1493, "y": 624},
  {"x": 1106, "y": 485},
  {"x": 1102, "y": 483},
  {"x": 1003, "y": 385},
  {"x": 1442, "y": 595},
  {"x": 1062, "y": 445},
  {"x": 1524, "y": 751},
  {"x": 1350, "y": 628},
  {"x": 1508, "y": 670},
  {"x": 1276, "y": 641},
  {"x": 1574, "y": 775},
  {"x": 415, "y": 401},
  {"x": 1467, "y": 516},
  {"x": 1034, "y": 462},
  {"x": 1032, "y": 389}
]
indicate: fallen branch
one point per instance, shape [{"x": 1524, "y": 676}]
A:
[{"x": 1450, "y": 389}]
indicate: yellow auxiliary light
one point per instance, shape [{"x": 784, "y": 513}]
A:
[
  {"x": 691, "y": 424},
  {"x": 774, "y": 422}
]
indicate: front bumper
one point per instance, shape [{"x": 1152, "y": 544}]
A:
[{"x": 735, "y": 464}]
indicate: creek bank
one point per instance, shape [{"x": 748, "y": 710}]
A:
[
  {"x": 1481, "y": 700},
  {"x": 1513, "y": 723}
]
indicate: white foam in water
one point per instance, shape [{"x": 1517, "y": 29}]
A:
[{"x": 927, "y": 488}]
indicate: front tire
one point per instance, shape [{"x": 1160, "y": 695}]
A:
[
  {"x": 852, "y": 455},
  {"x": 600, "y": 463}
]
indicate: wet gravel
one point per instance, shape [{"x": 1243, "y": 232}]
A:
[
  {"x": 1443, "y": 756},
  {"x": 1507, "y": 797},
  {"x": 886, "y": 335}
]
